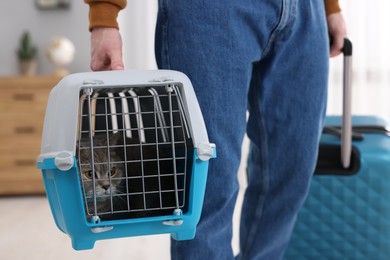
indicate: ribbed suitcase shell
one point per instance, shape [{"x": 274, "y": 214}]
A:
[{"x": 348, "y": 217}]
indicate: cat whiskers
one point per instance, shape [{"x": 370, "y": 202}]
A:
[{"x": 119, "y": 198}]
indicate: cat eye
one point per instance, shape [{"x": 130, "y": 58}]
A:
[
  {"x": 113, "y": 171},
  {"x": 88, "y": 174}
]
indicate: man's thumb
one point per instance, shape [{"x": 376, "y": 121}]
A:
[{"x": 117, "y": 64}]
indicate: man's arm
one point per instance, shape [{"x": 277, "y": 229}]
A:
[
  {"x": 337, "y": 30},
  {"x": 103, "y": 13},
  {"x": 106, "y": 41},
  {"x": 106, "y": 49},
  {"x": 336, "y": 26}
]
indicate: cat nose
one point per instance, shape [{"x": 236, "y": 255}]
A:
[{"x": 106, "y": 186}]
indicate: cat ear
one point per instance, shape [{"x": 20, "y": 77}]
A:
[{"x": 116, "y": 138}]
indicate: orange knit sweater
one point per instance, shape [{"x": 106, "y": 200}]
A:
[{"x": 103, "y": 13}]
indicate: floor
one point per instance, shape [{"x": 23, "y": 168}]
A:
[{"x": 28, "y": 231}]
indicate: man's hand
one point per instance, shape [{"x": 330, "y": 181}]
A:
[
  {"x": 106, "y": 49},
  {"x": 337, "y": 30}
]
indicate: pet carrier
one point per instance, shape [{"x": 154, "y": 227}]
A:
[{"x": 124, "y": 153}]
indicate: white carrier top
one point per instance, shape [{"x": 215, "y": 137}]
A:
[{"x": 60, "y": 129}]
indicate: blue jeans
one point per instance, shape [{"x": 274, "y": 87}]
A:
[{"x": 268, "y": 57}]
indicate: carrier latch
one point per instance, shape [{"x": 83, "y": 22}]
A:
[
  {"x": 64, "y": 161},
  {"x": 205, "y": 151},
  {"x": 175, "y": 222}
]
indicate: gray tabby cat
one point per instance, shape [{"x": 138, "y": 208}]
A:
[
  {"x": 119, "y": 191},
  {"x": 109, "y": 173}
]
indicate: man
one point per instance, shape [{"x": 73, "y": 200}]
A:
[{"x": 268, "y": 57}]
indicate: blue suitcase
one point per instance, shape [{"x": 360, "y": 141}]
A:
[{"x": 347, "y": 211}]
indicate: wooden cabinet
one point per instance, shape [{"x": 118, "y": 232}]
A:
[{"x": 23, "y": 103}]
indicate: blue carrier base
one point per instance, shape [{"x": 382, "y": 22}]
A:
[{"x": 66, "y": 202}]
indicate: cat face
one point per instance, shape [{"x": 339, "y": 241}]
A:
[{"x": 109, "y": 172}]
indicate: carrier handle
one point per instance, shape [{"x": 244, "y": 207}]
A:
[{"x": 346, "y": 129}]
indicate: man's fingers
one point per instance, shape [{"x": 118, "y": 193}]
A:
[
  {"x": 98, "y": 63},
  {"x": 106, "y": 49},
  {"x": 337, "y": 30},
  {"x": 116, "y": 63},
  {"x": 337, "y": 45}
]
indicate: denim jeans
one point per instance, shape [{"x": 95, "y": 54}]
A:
[{"x": 268, "y": 57}]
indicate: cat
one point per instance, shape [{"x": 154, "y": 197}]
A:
[
  {"x": 109, "y": 173},
  {"x": 137, "y": 176}
]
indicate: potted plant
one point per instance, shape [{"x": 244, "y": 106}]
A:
[{"x": 27, "y": 55}]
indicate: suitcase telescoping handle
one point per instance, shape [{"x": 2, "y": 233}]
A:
[{"x": 346, "y": 129}]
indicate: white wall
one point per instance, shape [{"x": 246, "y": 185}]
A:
[
  {"x": 367, "y": 23},
  {"x": 17, "y": 16},
  {"x": 137, "y": 24}
]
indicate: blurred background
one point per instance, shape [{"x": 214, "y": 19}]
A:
[
  {"x": 367, "y": 22},
  {"x": 42, "y": 40}
]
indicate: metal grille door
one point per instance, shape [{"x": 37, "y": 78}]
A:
[{"x": 140, "y": 145}]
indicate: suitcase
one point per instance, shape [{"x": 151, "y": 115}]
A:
[
  {"x": 124, "y": 153},
  {"x": 347, "y": 212}
]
